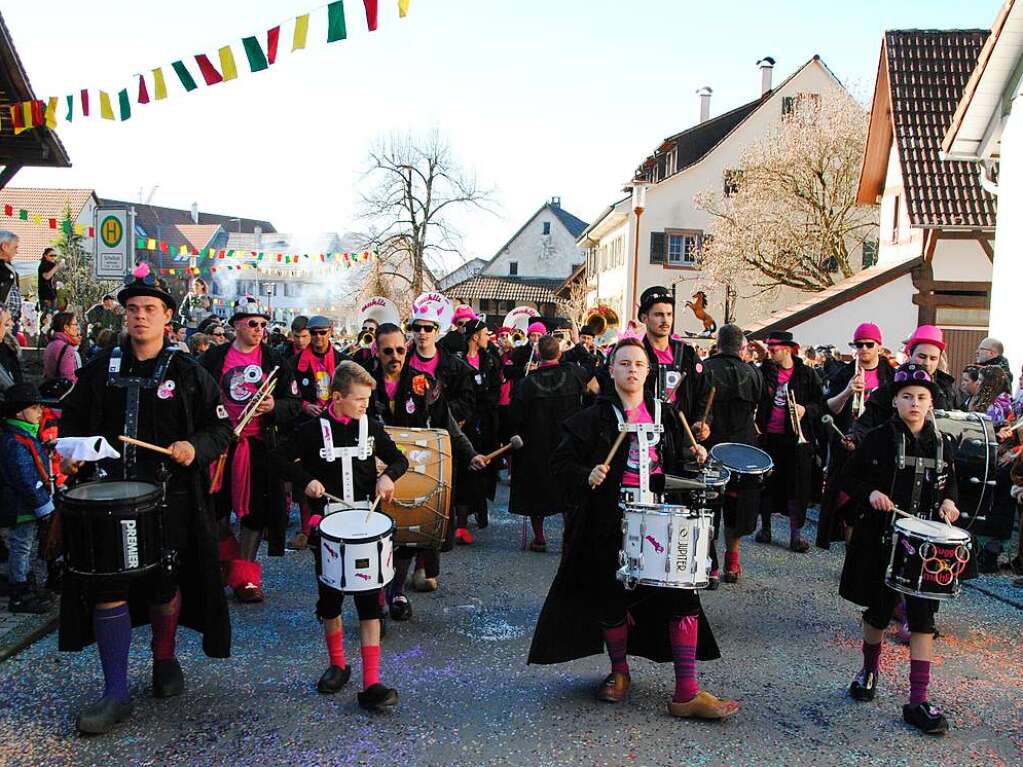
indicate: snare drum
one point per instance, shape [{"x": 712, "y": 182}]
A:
[
  {"x": 355, "y": 552},
  {"x": 112, "y": 527},
  {"x": 927, "y": 558},
  {"x": 421, "y": 507},
  {"x": 745, "y": 461},
  {"x": 665, "y": 545}
]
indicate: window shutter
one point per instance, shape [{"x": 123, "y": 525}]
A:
[{"x": 656, "y": 247}]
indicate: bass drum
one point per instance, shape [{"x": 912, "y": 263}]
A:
[
  {"x": 976, "y": 464},
  {"x": 421, "y": 508}
]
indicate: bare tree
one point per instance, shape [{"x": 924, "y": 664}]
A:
[
  {"x": 789, "y": 215},
  {"x": 417, "y": 184},
  {"x": 575, "y": 304}
]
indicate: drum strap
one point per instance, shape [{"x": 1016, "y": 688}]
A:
[
  {"x": 919, "y": 466},
  {"x": 330, "y": 452},
  {"x": 133, "y": 386},
  {"x": 646, "y": 437}
]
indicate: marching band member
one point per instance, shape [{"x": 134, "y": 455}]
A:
[
  {"x": 791, "y": 402},
  {"x": 403, "y": 397},
  {"x": 585, "y": 353},
  {"x": 456, "y": 340},
  {"x": 587, "y": 605},
  {"x": 146, "y": 390},
  {"x": 244, "y": 483},
  {"x": 505, "y": 347},
  {"x": 545, "y": 399},
  {"x": 846, "y": 393},
  {"x": 313, "y": 367},
  {"x": 525, "y": 358},
  {"x": 738, "y": 388},
  {"x": 902, "y": 464},
  {"x": 303, "y": 458}
]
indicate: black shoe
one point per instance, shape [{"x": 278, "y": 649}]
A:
[
  {"x": 333, "y": 679},
  {"x": 168, "y": 678},
  {"x": 926, "y": 718},
  {"x": 101, "y": 717},
  {"x": 713, "y": 583},
  {"x": 763, "y": 535},
  {"x": 27, "y": 601},
  {"x": 401, "y": 610},
  {"x": 378, "y": 698},
  {"x": 482, "y": 518},
  {"x": 799, "y": 546},
  {"x": 864, "y": 686}
]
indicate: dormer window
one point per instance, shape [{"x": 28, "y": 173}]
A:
[{"x": 546, "y": 227}]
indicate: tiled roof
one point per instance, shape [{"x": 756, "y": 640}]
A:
[
  {"x": 927, "y": 71},
  {"x": 571, "y": 223},
  {"x": 538, "y": 290},
  {"x": 48, "y": 203},
  {"x": 155, "y": 219},
  {"x": 196, "y": 235}
]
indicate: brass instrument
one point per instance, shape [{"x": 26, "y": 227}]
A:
[
  {"x": 366, "y": 339},
  {"x": 794, "y": 417},
  {"x": 858, "y": 400},
  {"x": 518, "y": 338},
  {"x": 247, "y": 415}
]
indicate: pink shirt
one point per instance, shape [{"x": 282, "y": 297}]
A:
[
  {"x": 473, "y": 359},
  {"x": 870, "y": 381},
  {"x": 666, "y": 357},
  {"x": 243, "y": 375},
  {"x": 780, "y": 411},
  {"x": 506, "y": 385},
  {"x": 425, "y": 366},
  {"x": 391, "y": 389},
  {"x": 631, "y": 476}
]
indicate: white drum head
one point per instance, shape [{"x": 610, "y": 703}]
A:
[
  {"x": 353, "y": 525},
  {"x": 334, "y": 508},
  {"x": 930, "y": 529}
]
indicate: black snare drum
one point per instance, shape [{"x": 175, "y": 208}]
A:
[
  {"x": 745, "y": 462},
  {"x": 112, "y": 527}
]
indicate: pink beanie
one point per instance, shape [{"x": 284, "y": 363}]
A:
[
  {"x": 926, "y": 334},
  {"x": 868, "y": 331},
  {"x": 536, "y": 327},
  {"x": 464, "y": 312}
]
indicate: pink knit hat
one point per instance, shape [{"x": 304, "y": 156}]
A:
[
  {"x": 926, "y": 334},
  {"x": 868, "y": 331},
  {"x": 536, "y": 327},
  {"x": 463, "y": 312}
]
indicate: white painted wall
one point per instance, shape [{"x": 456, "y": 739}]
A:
[
  {"x": 891, "y": 307},
  {"x": 910, "y": 241},
  {"x": 961, "y": 261},
  {"x": 539, "y": 255}
]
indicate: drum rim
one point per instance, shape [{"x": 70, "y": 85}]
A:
[
  {"x": 656, "y": 509},
  {"x": 966, "y": 538},
  {"x": 938, "y": 595},
  {"x": 744, "y": 470},
  {"x": 667, "y": 584},
  {"x": 373, "y": 539},
  {"x": 66, "y": 493}
]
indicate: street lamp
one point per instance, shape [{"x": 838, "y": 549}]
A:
[
  {"x": 638, "y": 205},
  {"x": 269, "y": 299}
]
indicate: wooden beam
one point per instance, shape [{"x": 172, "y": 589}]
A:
[
  {"x": 932, "y": 285},
  {"x": 931, "y": 300},
  {"x": 985, "y": 245},
  {"x": 972, "y": 234}
]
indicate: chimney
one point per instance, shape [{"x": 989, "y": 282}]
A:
[
  {"x": 766, "y": 65},
  {"x": 704, "y": 93},
  {"x": 195, "y": 213},
  {"x": 555, "y": 202}
]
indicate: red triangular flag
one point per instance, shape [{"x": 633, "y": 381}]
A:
[
  {"x": 143, "y": 92},
  {"x": 91, "y": 232},
  {"x": 8, "y": 210},
  {"x": 163, "y": 246},
  {"x": 53, "y": 223},
  {"x": 38, "y": 113},
  {"x": 371, "y": 14},
  {"x": 273, "y": 36},
  {"x": 209, "y": 72},
  {"x": 85, "y": 101}
]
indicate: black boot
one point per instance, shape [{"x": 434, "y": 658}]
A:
[
  {"x": 168, "y": 678},
  {"x": 333, "y": 679},
  {"x": 24, "y": 599},
  {"x": 101, "y": 717},
  {"x": 926, "y": 718},
  {"x": 378, "y": 698},
  {"x": 864, "y": 686},
  {"x": 401, "y": 610}
]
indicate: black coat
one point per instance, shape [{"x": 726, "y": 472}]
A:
[
  {"x": 481, "y": 427},
  {"x": 569, "y": 624},
  {"x": 545, "y": 399},
  {"x": 691, "y": 393},
  {"x": 873, "y": 467},
  {"x": 287, "y": 407},
  {"x": 738, "y": 389},
  {"x": 194, "y": 414},
  {"x": 879, "y": 409},
  {"x": 456, "y": 377},
  {"x": 805, "y": 385},
  {"x": 10, "y": 362},
  {"x": 588, "y": 362},
  {"x": 837, "y": 383}
]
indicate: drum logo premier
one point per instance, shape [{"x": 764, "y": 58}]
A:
[{"x": 130, "y": 540}]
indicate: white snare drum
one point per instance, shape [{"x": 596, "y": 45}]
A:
[
  {"x": 927, "y": 558},
  {"x": 356, "y": 553},
  {"x": 665, "y": 545}
]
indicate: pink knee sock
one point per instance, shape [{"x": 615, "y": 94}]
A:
[
  {"x": 336, "y": 648},
  {"x": 538, "y": 529},
  {"x": 682, "y": 633},
  {"x": 164, "y": 621},
  {"x": 617, "y": 640},
  {"x": 731, "y": 561},
  {"x": 370, "y": 665},
  {"x": 919, "y": 678}
]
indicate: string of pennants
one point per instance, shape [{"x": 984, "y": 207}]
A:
[
  {"x": 48, "y": 221},
  {"x": 345, "y": 259},
  {"x": 150, "y": 87}
]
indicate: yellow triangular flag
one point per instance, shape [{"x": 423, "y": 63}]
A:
[
  {"x": 159, "y": 86},
  {"x": 79, "y": 228},
  {"x": 37, "y": 219},
  {"x": 51, "y": 113},
  {"x": 228, "y": 70},
  {"x": 301, "y": 32},
  {"x": 403, "y": 8},
  {"x": 150, "y": 244},
  {"x": 105, "y": 110}
]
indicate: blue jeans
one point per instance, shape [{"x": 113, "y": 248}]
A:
[{"x": 20, "y": 541}]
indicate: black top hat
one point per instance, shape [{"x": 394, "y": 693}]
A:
[
  {"x": 911, "y": 374},
  {"x": 142, "y": 282},
  {"x": 587, "y": 330},
  {"x": 781, "y": 338},
  {"x": 19, "y": 397},
  {"x": 658, "y": 294}
]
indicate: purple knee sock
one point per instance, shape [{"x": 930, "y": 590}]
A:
[
  {"x": 617, "y": 640},
  {"x": 682, "y": 633},
  {"x": 113, "y": 638},
  {"x": 871, "y": 656},
  {"x": 919, "y": 678}
]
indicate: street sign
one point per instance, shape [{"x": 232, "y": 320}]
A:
[{"x": 114, "y": 242}]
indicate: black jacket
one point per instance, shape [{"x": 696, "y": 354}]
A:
[
  {"x": 738, "y": 388},
  {"x": 806, "y": 388},
  {"x": 455, "y": 376},
  {"x": 837, "y": 383},
  {"x": 10, "y": 361},
  {"x": 192, "y": 412},
  {"x": 8, "y": 277},
  {"x": 587, "y": 361},
  {"x": 879, "y": 408}
]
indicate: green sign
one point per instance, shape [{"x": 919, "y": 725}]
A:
[{"x": 111, "y": 231}]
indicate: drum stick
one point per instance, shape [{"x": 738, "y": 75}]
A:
[
  {"x": 147, "y": 445},
  {"x": 685, "y": 425},
  {"x": 371, "y": 510},
  {"x": 513, "y": 444},
  {"x": 710, "y": 403},
  {"x": 614, "y": 449}
]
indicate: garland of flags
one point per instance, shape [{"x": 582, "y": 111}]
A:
[
  {"x": 27, "y": 115},
  {"x": 45, "y": 220},
  {"x": 263, "y": 260}
]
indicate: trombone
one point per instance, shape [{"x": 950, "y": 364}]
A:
[{"x": 794, "y": 417}]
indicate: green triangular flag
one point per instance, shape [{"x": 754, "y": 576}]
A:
[
  {"x": 23, "y": 214},
  {"x": 70, "y": 108},
  {"x": 254, "y": 53},
  {"x": 184, "y": 76},
  {"x": 122, "y": 97},
  {"x": 336, "y": 22}
]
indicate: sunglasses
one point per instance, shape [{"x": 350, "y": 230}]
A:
[
  {"x": 422, "y": 328},
  {"x": 864, "y": 344},
  {"x": 256, "y": 323},
  {"x": 218, "y": 335},
  {"x": 320, "y": 332},
  {"x": 397, "y": 351}
]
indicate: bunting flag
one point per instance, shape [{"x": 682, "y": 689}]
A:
[
  {"x": 41, "y": 219},
  {"x": 39, "y": 113}
]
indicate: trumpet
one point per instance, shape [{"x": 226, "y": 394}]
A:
[
  {"x": 366, "y": 339},
  {"x": 794, "y": 417},
  {"x": 247, "y": 415},
  {"x": 518, "y": 338},
  {"x": 858, "y": 402}
]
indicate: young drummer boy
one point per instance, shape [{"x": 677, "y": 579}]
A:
[
  {"x": 903, "y": 464},
  {"x": 311, "y": 460}
]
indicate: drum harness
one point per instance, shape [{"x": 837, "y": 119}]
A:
[
  {"x": 646, "y": 438},
  {"x": 919, "y": 465},
  {"x": 362, "y": 451}
]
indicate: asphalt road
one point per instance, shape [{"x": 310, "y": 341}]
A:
[{"x": 790, "y": 647}]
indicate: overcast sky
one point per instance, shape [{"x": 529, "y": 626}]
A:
[{"x": 538, "y": 97}]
